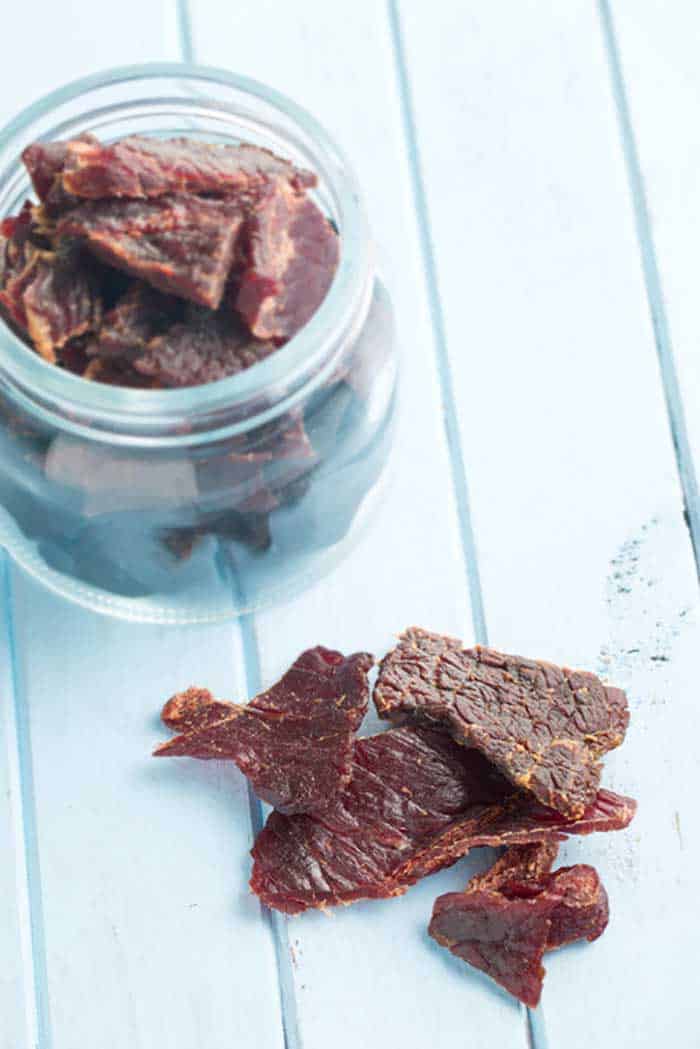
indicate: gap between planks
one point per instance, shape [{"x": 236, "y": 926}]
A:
[{"x": 652, "y": 282}]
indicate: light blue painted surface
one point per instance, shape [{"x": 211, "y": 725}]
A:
[{"x": 489, "y": 148}]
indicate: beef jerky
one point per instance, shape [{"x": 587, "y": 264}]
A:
[
  {"x": 52, "y": 296},
  {"x": 256, "y": 471},
  {"x": 292, "y": 258},
  {"x": 416, "y": 802},
  {"x": 505, "y": 920},
  {"x": 181, "y": 245},
  {"x": 61, "y": 302},
  {"x": 45, "y": 162},
  {"x": 143, "y": 168},
  {"x": 545, "y": 727},
  {"x": 205, "y": 347},
  {"x": 140, "y": 314},
  {"x": 293, "y": 742}
]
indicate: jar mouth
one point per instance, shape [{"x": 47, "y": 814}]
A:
[{"x": 192, "y": 98}]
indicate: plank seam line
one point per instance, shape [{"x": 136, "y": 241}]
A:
[
  {"x": 184, "y": 30},
  {"x": 652, "y": 282},
  {"x": 534, "y": 1027},
  {"x": 37, "y": 1005},
  {"x": 443, "y": 367},
  {"x": 277, "y": 922}
]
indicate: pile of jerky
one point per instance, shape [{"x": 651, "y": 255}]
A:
[
  {"x": 162, "y": 263},
  {"x": 487, "y": 749}
]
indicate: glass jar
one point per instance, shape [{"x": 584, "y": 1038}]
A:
[{"x": 197, "y": 504}]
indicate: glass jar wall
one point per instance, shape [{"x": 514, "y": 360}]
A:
[{"x": 199, "y": 504}]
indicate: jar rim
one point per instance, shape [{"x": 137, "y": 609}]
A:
[{"x": 145, "y": 410}]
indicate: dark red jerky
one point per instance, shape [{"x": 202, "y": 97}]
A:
[
  {"x": 416, "y": 802},
  {"x": 140, "y": 314},
  {"x": 506, "y": 919},
  {"x": 61, "y": 302},
  {"x": 45, "y": 162},
  {"x": 148, "y": 167},
  {"x": 259, "y": 471},
  {"x": 196, "y": 709},
  {"x": 292, "y": 257},
  {"x": 293, "y": 742},
  {"x": 545, "y": 727},
  {"x": 205, "y": 347},
  {"x": 181, "y": 245},
  {"x": 51, "y": 296}
]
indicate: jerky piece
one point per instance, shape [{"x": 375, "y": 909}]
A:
[
  {"x": 149, "y": 167},
  {"x": 506, "y": 919},
  {"x": 179, "y": 244},
  {"x": 61, "y": 302},
  {"x": 136, "y": 318},
  {"x": 45, "y": 162},
  {"x": 416, "y": 802},
  {"x": 53, "y": 297},
  {"x": 293, "y": 742},
  {"x": 545, "y": 727},
  {"x": 293, "y": 255},
  {"x": 205, "y": 347}
]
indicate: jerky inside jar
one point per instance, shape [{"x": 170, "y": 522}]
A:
[{"x": 193, "y": 435}]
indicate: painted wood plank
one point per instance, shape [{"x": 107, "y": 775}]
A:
[
  {"x": 44, "y": 48},
  {"x": 346, "y": 968},
  {"x": 142, "y": 932},
  {"x": 655, "y": 48},
  {"x": 151, "y": 936},
  {"x": 583, "y": 553},
  {"x": 17, "y": 1022},
  {"x": 51, "y": 44}
]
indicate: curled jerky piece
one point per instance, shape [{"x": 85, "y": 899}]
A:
[
  {"x": 416, "y": 802},
  {"x": 149, "y": 167},
  {"x": 508, "y": 917},
  {"x": 545, "y": 727},
  {"x": 292, "y": 258},
  {"x": 136, "y": 318},
  {"x": 205, "y": 347},
  {"x": 293, "y": 742},
  {"x": 50, "y": 295},
  {"x": 182, "y": 245}
]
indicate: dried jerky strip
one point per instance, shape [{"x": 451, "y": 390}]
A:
[
  {"x": 506, "y": 919},
  {"x": 181, "y": 245},
  {"x": 143, "y": 168},
  {"x": 140, "y": 314},
  {"x": 45, "y": 162},
  {"x": 416, "y": 802},
  {"x": 292, "y": 257},
  {"x": 293, "y": 742},
  {"x": 206, "y": 347},
  {"x": 545, "y": 727}
]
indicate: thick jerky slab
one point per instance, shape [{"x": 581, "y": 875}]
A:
[
  {"x": 182, "y": 245},
  {"x": 292, "y": 257},
  {"x": 140, "y": 314},
  {"x": 205, "y": 347},
  {"x": 545, "y": 727},
  {"x": 293, "y": 742},
  {"x": 45, "y": 162},
  {"x": 149, "y": 167},
  {"x": 506, "y": 919},
  {"x": 416, "y": 802}
]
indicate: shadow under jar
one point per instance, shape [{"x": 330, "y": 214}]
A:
[{"x": 198, "y": 504}]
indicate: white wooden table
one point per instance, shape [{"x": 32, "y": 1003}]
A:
[{"x": 532, "y": 172}]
